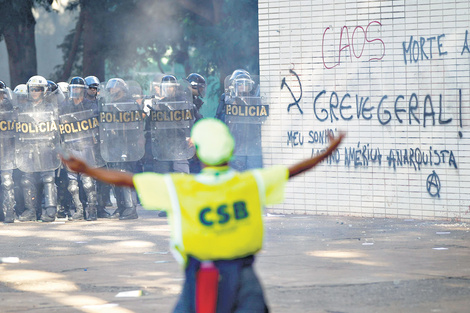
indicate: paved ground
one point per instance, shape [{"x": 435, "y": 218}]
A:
[{"x": 309, "y": 264}]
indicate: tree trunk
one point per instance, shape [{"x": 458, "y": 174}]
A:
[
  {"x": 66, "y": 73},
  {"x": 93, "y": 42},
  {"x": 218, "y": 10},
  {"x": 21, "y": 47}
]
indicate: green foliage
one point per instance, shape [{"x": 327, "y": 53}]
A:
[
  {"x": 204, "y": 36},
  {"x": 232, "y": 42}
]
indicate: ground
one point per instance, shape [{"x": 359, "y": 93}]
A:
[{"x": 308, "y": 264}]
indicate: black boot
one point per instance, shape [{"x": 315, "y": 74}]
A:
[
  {"x": 78, "y": 214},
  {"x": 61, "y": 212},
  {"x": 116, "y": 214},
  {"x": 48, "y": 214},
  {"x": 91, "y": 213},
  {"x": 74, "y": 192},
  {"x": 102, "y": 213},
  {"x": 9, "y": 216},
  {"x": 129, "y": 214},
  {"x": 27, "y": 215}
]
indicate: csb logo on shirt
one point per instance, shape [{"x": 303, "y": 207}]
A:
[{"x": 223, "y": 213}]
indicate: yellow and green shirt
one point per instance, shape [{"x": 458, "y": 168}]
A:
[{"x": 215, "y": 215}]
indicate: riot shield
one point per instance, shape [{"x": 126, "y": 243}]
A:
[
  {"x": 171, "y": 119},
  {"x": 7, "y": 140},
  {"x": 56, "y": 97},
  {"x": 121, "y": 131},
  {"x": 245, "y": 111},
  {"x": 135, "y": 91},
  {"x": 80, "y": 136},
  {"x": 37, "y": 142}
]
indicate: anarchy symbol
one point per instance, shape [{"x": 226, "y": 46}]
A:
[
  {"x": 296, "y": 101},
  {"x": 433, "y": 184}
]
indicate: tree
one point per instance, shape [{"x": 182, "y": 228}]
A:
[
  {"x": 210, "y": 37},
  {"x": 17, "y": 25},
  {"x": 114, "y": 35},
  {"x": 221, "y": 35}
]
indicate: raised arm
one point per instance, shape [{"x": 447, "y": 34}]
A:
[
  {"x": 108, "y": 176},
  {"x": 306, "y": 165}
]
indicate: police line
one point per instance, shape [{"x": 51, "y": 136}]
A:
[{"x": 77, "y": 126}]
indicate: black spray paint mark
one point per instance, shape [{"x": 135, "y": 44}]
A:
[
  {"x": 296, "y": 101},
  {"x": 433, "y": 185}
]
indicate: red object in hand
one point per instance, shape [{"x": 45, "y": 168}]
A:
[{"x": 207, "y": 281}]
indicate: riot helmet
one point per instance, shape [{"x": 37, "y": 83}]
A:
[
  {"x": 37, "y": 88},
  {"x": 238, "y": 72},
  {"x": 77, "y": 88},
  {"x": 168, "y": 86},
  {"x": 3, "y": 90},
  {"x": 116, "y": 88},
  {"x": 21, "y": 91},
  {"x": 228, "y": 82},
  {"x": 51, "y": 86},
  {"x": 21, "y": 94},
  {"x": 64, "y": 87},
  {"x": 93, "y": 84},
  {"x": 242, "y": 84},
  {"x": 198, "y": 84},
  {"x": 54, "y": 94},
  {"x": 155, "y": 85}
]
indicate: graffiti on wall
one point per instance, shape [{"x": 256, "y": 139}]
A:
[
  {"x": 354, "y": 44},
  {"x": 415, "y": 108}
]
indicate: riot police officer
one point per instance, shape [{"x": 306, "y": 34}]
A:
[
  {"x": 20, "y": 100},
  {"x": 102, "y": 190},
  {"x": 7, "y": 155},
  {"x": 21, "y": 95},
  {"x": 93, "y": 84},
  {"x": 37, "y": 144},
  {"x": 121, "y": 140},
  {"x": 79, "y": 129},
  {"x": 171, "y": 119},
  {"x": 241, "y": 108},
  {"x": 198, "y": 89},
  {"x": 220, "y": 113}
]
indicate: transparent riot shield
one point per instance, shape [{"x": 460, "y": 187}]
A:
[
  {"x": 80, "y": 136},
  {"x": 245, "y": 111},
  {"x": 135, "y": 91},
  {"x": 171, "y": 119},
  {"x": 7, "y": 140},
  {"x": 37, "y": 142},
  {"x": 121, "y": 131},
  {"x": 55, "y": 97}
]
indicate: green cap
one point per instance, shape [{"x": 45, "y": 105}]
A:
[{"x": 213, "y": 141}]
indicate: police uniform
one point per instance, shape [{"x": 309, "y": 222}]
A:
[
  {"x": 216, "y": 216},
  {"x": 88, "y": 184},
  {"x": 7, "y": 213}
]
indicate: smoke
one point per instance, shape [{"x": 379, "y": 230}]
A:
[{"x": 152, "y": 27}]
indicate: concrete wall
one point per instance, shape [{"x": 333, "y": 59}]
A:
[{"x": 394, "y": 75}]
